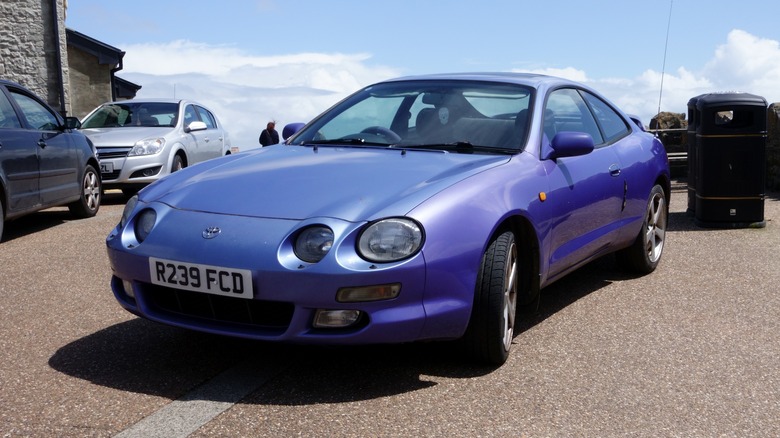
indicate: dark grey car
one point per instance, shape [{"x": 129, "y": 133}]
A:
[{"x": 44, "y": 161}]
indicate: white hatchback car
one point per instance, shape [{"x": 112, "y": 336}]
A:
[{"x": 140, "y": 141}]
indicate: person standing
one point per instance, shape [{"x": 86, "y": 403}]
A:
[{"x": 269, "y": 135}]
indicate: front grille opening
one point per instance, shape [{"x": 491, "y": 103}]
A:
[
  {"x": 256, "y": 314},
  {"x": 104, "y": 154}
]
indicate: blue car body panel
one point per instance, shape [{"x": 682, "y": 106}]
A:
[{"x": 577, "y": 208}]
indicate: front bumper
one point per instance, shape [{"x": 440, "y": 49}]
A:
[
  {"x": 123, "y": 171},
  {"x": 287, "y": 292}
]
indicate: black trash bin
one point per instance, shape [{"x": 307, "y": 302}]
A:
[{"x": 726, "y": 159}]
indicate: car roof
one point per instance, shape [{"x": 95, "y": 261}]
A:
[
  {"x": 156, "y": 100},
  {"x": 530, "y": 79},
  {"x": 148, "y": 100}
]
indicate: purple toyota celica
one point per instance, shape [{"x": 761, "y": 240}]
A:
[{"x": 421, "y": 208}]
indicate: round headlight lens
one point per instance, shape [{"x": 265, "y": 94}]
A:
[
  {"x": 144, "y": 224},
  {"x": 313, "y": 243},
  {"x": 390, "y": 240},
  {"x": 129, "y": 207}
]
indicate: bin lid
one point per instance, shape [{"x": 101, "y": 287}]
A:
[{"x": 729, "y": 98}]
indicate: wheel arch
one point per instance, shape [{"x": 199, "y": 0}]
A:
[
  {"x": 183, "y": 154},
  {"x": 528, "y": 253},
  {"x": 666, "y": 185},
  {"x": 92, "y": 161}
]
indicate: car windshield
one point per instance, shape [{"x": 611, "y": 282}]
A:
[
  {"x": 459, "y": 116},
  {"x": 127, "y": 114}
]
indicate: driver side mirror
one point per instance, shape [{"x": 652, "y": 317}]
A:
[
  {"x": 72, "y": 123},
  {"x": 290, "y": 129},
  {"x": 569, "y": 144},
  {"x": 195, "y": 126}
]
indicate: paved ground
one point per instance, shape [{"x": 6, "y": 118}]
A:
[{"x": 691, "y": 350}]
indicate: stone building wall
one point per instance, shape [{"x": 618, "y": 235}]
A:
[
  {"x": 91, "y": 82},
  {"x": 33, "y": 48}
]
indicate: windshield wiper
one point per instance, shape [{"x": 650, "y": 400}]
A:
[
  {"x": 345, "y": 141},
  {"x": 461, "y": 147}
]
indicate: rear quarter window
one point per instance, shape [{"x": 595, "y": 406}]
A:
[{"x": 611, "y": 123}]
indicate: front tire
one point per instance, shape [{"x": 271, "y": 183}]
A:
[
  {"x": 2, "y": 219},
  {"x": 492, "y": 326},
  {"x": 644, "y": 254},
  {"x": 178, "y": 163},
  {"x": 91, "y": 190}
]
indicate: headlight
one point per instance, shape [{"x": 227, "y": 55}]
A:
[
  {"x": 313, "y": 243},
  {"x": 390, "y": 240},
  {"x": 129, "y": 207},
  {"x": 144, "y": 224},
  {"x": 147, "y": 146}
]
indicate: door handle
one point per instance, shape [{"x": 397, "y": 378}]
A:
[
  {"x": 614, "y": 170},
  {"x": 41, "y": 143}
]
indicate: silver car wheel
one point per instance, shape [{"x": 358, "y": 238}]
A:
[
  {"x": 655, "y": 232},
  {"x": 510, "y": 296},
  {"x": 91, "y": 190}
]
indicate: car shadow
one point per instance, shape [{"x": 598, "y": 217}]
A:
[
  {"x": 149, "y": 358},
  {"x": 584, "y": 281},
  {"x": 51, "y": 217},
  {"x": 35, "y": 222},
  {"x": 113, "y": 197}
]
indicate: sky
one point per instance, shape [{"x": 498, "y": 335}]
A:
[{"x": 252, "y": 61}]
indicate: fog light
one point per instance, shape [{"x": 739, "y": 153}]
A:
[
  {"x": 128, "y": 286},
  {"x": 368, "y": 293},
  {"x": 335, "y": 318},
  {"x": 151, "y": 171}
]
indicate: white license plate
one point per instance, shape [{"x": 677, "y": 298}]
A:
[
  {"x": 106, "y": 167},
  {"x": 208, "y": 279}
]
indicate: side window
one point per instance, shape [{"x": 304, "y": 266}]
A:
[
  {"x": 207, "y": 117},
  {"x": 8, "y": 117},
  {"x": 38, "y": 116},
  {"x": 566, "y": 110},
  {"x": 190, "y": 115},
  {"x": 612, "y": 124}
]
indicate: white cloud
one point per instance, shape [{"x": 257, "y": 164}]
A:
[
  {"x": 247, "y": 90},
  {"x": 744, "y": 63},
  {"x": 747, "y": 63}
]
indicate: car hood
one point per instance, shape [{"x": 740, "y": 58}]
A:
[
  {"x": 295, "y": 182},
  {"x": 124, "y": 136}
]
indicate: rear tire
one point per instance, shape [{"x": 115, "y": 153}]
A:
[
  {"x": 91, "y": 194},
  {"x": 491, "y": 329},
  {"x": 643, "y": 255}
]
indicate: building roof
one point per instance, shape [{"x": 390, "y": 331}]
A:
[{"x": 105, "y": 54}]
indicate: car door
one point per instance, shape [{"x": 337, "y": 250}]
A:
[
  {"x": 198, "y": 141},
  {"x": 18, "y": 159},
  {"x": 587, "y": 190},
  {"x": 58, "y": 164},
  {"x": 214, "y": 138}
]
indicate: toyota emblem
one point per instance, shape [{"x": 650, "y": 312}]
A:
[{"x": 211, "y": 232}]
